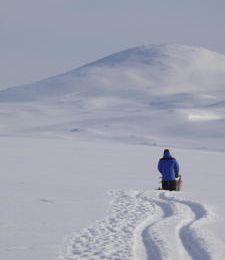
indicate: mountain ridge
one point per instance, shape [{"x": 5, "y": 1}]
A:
[{"x": 145, "y": 66}]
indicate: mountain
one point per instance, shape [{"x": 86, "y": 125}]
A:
[
  {"x": 133, "y": 73},
  {"x": 155, "y": 94}
]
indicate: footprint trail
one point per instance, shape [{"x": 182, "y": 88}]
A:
[{"x": 154, "y": 225}]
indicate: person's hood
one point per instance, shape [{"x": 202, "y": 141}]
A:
[{"x": 166, "y": 154}]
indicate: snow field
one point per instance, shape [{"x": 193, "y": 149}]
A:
[{"x": 53, "y": 187}]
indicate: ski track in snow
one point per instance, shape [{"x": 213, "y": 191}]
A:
[{"x": 154, "y": 225}]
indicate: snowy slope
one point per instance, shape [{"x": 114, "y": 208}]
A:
[
  {"x": 147, "y": 94},
  {"x": 141, "y": 73}
]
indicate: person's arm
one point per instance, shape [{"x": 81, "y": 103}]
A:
[
  {"x": 176, "y": 169},
  {"x": 160, "y": 166}
]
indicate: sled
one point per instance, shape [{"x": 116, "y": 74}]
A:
[{"x": 178, "y": 184}]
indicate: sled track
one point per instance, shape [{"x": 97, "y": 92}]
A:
[
  {"x": 154, "y": 225},
  {"x": 187, "y": 242},
  {"x": 153, "y": 247},
  {"x": 193, "y": 241}
]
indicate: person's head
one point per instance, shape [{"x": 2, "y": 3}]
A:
[{"x": 166, "y": 153}]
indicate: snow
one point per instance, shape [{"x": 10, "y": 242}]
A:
[
  {"x": 79, "y": 153},
  {"x": 199, "y": 116}
]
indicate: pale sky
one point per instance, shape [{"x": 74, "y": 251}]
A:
[{"x": 41, "y": 38}]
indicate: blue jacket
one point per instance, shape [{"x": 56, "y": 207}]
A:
[{"x": 168, "y": 167}]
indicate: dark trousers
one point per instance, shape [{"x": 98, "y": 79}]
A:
[{"x": 169, "y": 185}]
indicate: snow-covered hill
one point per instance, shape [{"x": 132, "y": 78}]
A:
[
  {"x": 166, "y": 94},
  {"x": 142, "y": 74}
]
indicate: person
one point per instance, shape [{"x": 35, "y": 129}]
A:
[{"x": 169, "y": 168}]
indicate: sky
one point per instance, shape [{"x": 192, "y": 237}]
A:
[{"x": 43, "y": 38}]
